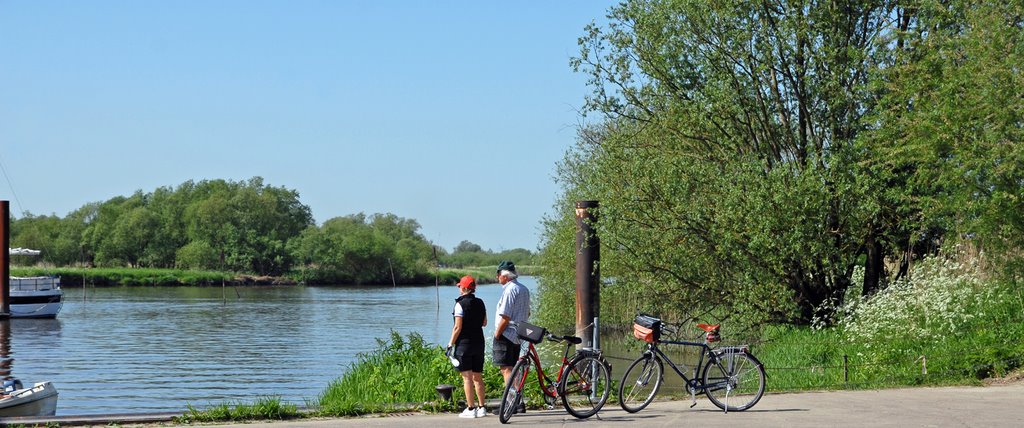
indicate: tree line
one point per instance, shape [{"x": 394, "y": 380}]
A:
[
  {"x": 750, "y": 157},
  {"x": 245, "y": 227}
]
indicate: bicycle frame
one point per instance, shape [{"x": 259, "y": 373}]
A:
[
  {"x": 694, "y": 385},
  {"x": 547, "y": 386}
]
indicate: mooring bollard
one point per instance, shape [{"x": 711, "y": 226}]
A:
[{"x": 444, "y": 392}]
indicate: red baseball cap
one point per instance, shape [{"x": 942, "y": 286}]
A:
[{"x": 467, "y": 282}]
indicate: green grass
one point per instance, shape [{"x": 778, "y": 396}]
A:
[
  {"x": 947, "y": 326},
  {"x": 128, "y": 276},
  {"x": 265, "y": 408}
]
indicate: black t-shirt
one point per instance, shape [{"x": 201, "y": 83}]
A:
[{"x": 473, "y": 315}]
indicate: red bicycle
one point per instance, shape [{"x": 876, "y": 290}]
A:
[{"x": 583, "y": 383}]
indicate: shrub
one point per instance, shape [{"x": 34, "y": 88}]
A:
[{"x": 401, "y": 373}]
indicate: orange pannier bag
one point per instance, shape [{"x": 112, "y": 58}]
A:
[{"x": 643, "y": 333}]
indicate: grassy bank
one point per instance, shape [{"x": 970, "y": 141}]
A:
[
  {"x": 400, "y": 374},
  {"x": 106, "y": 277},
  {"x": 134, "y": 277},
  {"x": 949, "y": 325},
  {"x": 264, "y": 408}
]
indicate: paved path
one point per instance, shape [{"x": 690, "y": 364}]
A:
[
  {"x": 993, "y": 406},
  {"x": 1000, "y": 406}
]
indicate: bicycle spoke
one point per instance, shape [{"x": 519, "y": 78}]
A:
[
  {"x": 640, "y": 383},
  {"x": 513, "y": 394},
  {"x": 585, "y": 386},
  {"x": 734, "y": 382}
]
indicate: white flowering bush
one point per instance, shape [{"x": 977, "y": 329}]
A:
[{"x": 941, "y": 298}]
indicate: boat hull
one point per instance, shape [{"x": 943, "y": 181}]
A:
[
  {"x": 47, "y": 310},
  {"x": 36, "y": 297},
  {"x": 39, "y": 400}
]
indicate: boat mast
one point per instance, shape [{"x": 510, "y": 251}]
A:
[{"x": 5, "y": 264}]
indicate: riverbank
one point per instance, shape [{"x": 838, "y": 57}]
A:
[
  {"x": 146, "y": 277},
  {"x": 985, "y": 406}
]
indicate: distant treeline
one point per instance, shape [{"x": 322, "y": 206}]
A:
[{"x": 243, "y": 227}]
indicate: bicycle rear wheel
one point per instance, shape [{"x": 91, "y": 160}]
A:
[
  {"x": 513, "y": 394},
  {"x": 640, "y": 383},
  {"x": 584, "y": 386},
  {"x": 735, "y": 382}
]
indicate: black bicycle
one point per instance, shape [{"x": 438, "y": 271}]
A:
[{"x": 731, "y": 377}]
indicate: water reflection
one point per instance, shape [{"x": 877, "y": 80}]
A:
[{"x": 6, "y": 360}]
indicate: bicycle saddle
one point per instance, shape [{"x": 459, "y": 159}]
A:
[{"x": 708, "y": 327}]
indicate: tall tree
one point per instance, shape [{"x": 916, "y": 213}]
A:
[
  {"x": 948, "y": 129},
  {"x": 725, "y": 165}
]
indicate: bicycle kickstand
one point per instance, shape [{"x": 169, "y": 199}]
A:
[{"x": 693, "y": 396}]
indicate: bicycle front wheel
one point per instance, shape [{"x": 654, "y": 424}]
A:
[
  {"x": 513, "y": 394},
  {"x": 640, "y": 383},
  {"x": 584, "y": 386},
  {"x": 735, "y": 381}
]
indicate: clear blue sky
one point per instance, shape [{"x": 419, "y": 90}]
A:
[{"x": 450, "y": 113}]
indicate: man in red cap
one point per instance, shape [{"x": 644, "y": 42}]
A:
[{"x": 466, "y": 346}]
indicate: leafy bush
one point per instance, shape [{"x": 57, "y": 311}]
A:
[{"x": 401, "y": 373}]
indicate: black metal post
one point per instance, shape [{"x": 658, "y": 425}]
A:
[
  {"x": 588, "y": 258},
  {"x": 846, "y": 369}
]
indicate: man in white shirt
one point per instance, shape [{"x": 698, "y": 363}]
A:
[{"x": 513, "y": 305}]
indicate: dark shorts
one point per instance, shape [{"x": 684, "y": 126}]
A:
[
  {"x": 471, "y": 358},
  {"x": 504, "y": 352}
]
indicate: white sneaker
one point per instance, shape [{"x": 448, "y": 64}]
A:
[
  {"x": 481, "y": 412},
  {"x": 468, "y": 413}
]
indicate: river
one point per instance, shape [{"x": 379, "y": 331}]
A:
[{"x": 157, "y": 349}]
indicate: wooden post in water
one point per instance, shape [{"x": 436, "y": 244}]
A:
[
  {"x": 588, "y": 257},
  {"x": 5, "y": 265}
]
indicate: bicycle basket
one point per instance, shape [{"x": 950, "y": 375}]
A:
[
  {"x": 647, "y": 328},
  {"x": 530, "y": 332},
  {"x": 645, "y": 334}
]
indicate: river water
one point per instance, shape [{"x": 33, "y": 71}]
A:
[{"x": 157, "y": 349}]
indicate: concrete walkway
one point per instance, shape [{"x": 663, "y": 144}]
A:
[
  {"x": 919, "y": 407},
  {"x": 993, "y": 406}
]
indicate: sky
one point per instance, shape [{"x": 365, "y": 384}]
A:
[{"x": 451, "y": 113}]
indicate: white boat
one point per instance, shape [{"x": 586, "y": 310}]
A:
[
  {"x": 39, "y": 400},
  {"x": 36, "y": 296}
]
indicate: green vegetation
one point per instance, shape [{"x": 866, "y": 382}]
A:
[
  {"x": 823, "y": 183},
  {"x": 246, "y": 228},
  {"x": 265, "y": 408},
  {"x": 945, "y": 326},
  {"x": 400, "y": 374},
  {"x": 748, "y": 159},
  {"x": 71, "y": 277}
]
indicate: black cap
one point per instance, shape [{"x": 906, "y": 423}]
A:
[{"x": 506, "y": 265}]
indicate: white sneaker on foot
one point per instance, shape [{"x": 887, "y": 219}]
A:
[
  {"x": 468, "y": 413},
  {"x": 481, "y": 411}
]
